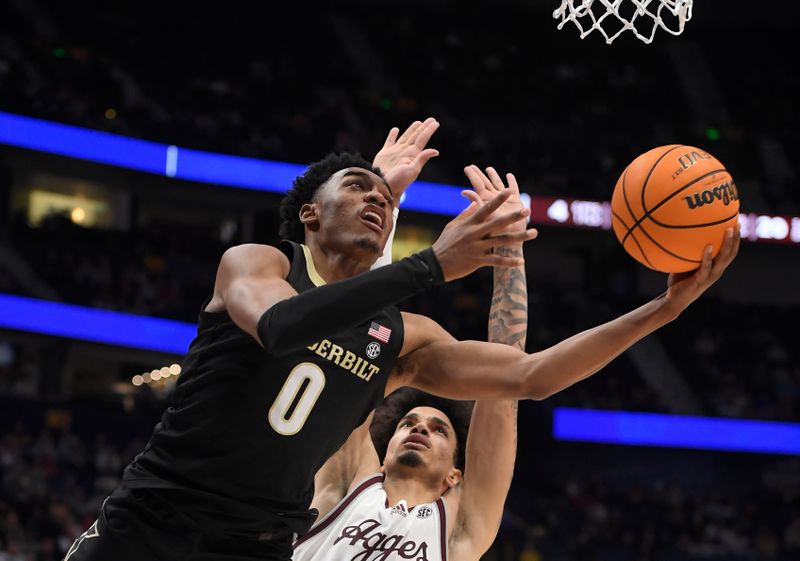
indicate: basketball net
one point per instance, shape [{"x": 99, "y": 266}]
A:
[{"x": 614, "y": 17}]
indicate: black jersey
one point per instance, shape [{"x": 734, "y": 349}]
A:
[{"x": 246, "y": 431}]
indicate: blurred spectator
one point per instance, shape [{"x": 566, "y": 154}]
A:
[{"x": 568, "y": 124}]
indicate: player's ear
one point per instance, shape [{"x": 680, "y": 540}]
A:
[
  {"x": 308, "y": 216},
  {"x": 453, "y": 478}
]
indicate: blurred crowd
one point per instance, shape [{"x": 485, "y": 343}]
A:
[
  {"x": 52, "y": 484},
  {"x": 744, "y": 363},
  {"x": 163, "y": 269},
  {"x": 55, "y": 473},
  {"x": 565, "y": 124},
  {"x": 590, "y": 518},
  {"x": 56, "y": 469}
]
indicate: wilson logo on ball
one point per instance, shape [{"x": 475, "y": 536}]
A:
[{"x": 726, "y": 193}]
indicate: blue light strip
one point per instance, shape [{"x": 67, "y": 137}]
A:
[
  {"x": 237, "y": 171},
  {"x": 191, "y": 165},
  {"x": 651, "y": 429},
  {"x": 97, "y": 326},
  {"x": 84, "y": 144}
]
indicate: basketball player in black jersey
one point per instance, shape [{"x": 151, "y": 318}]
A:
[{"x": 300, "y": 342}]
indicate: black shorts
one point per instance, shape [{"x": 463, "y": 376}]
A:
[{"x": 136, "y": 525}]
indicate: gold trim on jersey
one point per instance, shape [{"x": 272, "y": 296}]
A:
[{"x": 311, "y": 269}]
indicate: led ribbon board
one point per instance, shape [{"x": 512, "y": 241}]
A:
[
  {"x": 97, "y": 326},
  {"x": 191, "y": 165},
  {"x": 676, "y": 431},
  {"x": 276, "y": 177}
]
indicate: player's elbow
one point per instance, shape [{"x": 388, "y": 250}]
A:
[
  {"x": 270, "y": 344},
  {"x": 276, "y": 345},
  {"x": 535, "y": 385},
  {"x": 483, "y": 538},
  {"x": 274, "y": 339},
  {"x": 536, "y": 393}
]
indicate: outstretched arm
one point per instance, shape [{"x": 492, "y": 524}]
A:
[
  {"x": 492, "y": 441},
  {"x": 251, "y": 283},
  {"x": 435, "y": 362}
]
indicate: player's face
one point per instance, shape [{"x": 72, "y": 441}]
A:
[
  {"x": 355, "y": 208},
  {"x": 425, "y": 439}
]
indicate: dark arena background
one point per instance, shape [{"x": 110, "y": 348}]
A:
[{"x": 138, "y": 142}]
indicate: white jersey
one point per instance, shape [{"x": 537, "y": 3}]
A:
[{"x": 363, "y": 527}]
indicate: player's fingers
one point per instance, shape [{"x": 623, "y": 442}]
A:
[
  {"x": 472, "y": 196},
  {"x": 486, "y": 185},
  {"x": 471, "y": 209},
  {"x": 726, "y": 253},
  {"x": 494, "y": 203},
  {"x": 737, "y": 238},
  {"x": 409, "y": 132},
  {"x": 421, "y": 128},
  {"x": 703, "y": 273},
  {"x": 425, "y": 133},
  {"x": 473, "y": 174},
  {"x": 500, "y": 222},
  {"x": 494, "y": 178},
  {"x": 511, "y": 238},
  {"x": 392, "y": 138},
  {"x": 512, "y": 183},
  {"x": 423, "y": 157}
]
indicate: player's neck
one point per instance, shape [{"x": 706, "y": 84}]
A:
[
  {"x": 411, "y": 488},
  {"x": 333, "y": 265}
]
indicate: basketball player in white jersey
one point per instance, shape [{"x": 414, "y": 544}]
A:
[{"x": 438, "y": 495}]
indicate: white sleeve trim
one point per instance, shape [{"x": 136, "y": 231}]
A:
[{"x": 386, "y": 258}]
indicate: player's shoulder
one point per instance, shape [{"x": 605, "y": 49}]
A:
[
  {"x": 423, "y": 328},
  {"x": 418, "y": 321},
  {"x": 420, "y": 331},
  {"x": 253, "y": 258}
]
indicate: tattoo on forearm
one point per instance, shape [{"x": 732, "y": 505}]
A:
[{"x": 508, "y": 317}]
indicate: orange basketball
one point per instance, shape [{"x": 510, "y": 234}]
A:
[{"x": 670, "y": 203}]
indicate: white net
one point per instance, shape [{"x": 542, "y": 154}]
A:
[{"x": 614, "y": 17}]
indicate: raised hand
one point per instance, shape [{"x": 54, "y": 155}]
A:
[
  {"x": 402, "y": 158},
  {"x": 487, "y": 186},
  {"x": 467, "y": 242},
  {"x": 685, "y": 288}
]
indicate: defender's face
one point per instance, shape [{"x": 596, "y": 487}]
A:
[
  {"x": 355, "y": 206},
  {"x": 424, "y": 439}
]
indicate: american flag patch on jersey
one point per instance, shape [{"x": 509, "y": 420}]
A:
[{"x": 380, "y": 332}]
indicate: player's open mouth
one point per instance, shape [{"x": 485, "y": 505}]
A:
[
  {"x": 417, "y": 441},
  {"x": 373, "y": 217}
]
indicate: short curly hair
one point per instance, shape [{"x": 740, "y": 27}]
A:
[
  {"x": 400, "y": 402},
  {"x": 305, "y": 187}
]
